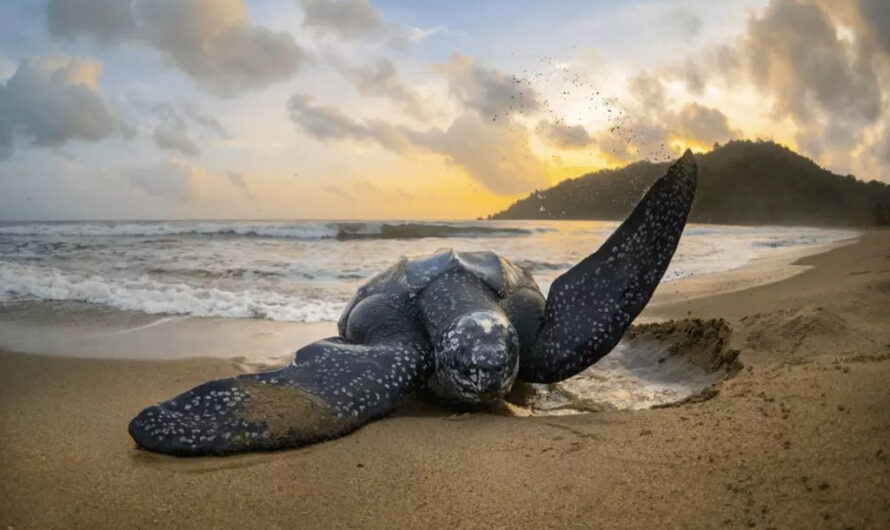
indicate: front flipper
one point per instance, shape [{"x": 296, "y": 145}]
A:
[
  {"x": 331, "y": 388},
  {"x": 592, "y": 304}
]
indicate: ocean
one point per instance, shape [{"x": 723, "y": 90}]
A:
[{"x": 306, "y": 271}]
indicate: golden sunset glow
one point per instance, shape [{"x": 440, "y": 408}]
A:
[{"x": 355, "y": 109}]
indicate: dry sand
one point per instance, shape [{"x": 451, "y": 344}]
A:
[{"x": 799, "y": 438}]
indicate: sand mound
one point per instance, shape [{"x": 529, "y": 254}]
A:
[
  {"x": 809, "y": 330},
  {"x": 653, "y": 365},
  {"x": 701, "y": 342}
]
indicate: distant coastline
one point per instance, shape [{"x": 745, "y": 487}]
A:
[{"x": 740, "y": 183}]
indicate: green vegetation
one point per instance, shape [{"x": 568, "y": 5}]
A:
[{"x": 742, "y": 182}]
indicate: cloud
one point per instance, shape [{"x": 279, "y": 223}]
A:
[
  {"x": 881, "y": 148},
  {"x": 648, "y": 91},
  {"x": 51, "y": 100},
  {"x": 205, "y": 120},
  {"x": 564, "y": 136},
  {"x": 239, "y": 181},
  {"x": 357, "y": 19},
  {"x": 497, "y": 155},
  {"x": 7, "y": 68},
  {"x": 686, "y": 22},
  {"x": 488, "y": 91},
  {"x": 106, "y": 20},
  {"x": 169, "y": 179},
  {"x": 345, "y": 18},
  {"x": 705, "y": 124},
  {"x": 876, "y": 18},
  {"x": 324, "y": 123},
  {"x": 213, "y": 41},
  {"x": 328, "y": 123},
  {"x": 638, "y": 137},
  {"x": 381, "y": 79},
  {"x": 821, "y": 65},
  {"x": 650, "y": 128},
  {"x": 169, "y": 136},
  {"x": 172, "y": 131},
  {"x": 831, "y": 84},
  {"x": 338, "y": 191},
  {"x": 794, "y": 53},
  {"x": 368, "y": 190},
  {"x": 6, "y": 147}
]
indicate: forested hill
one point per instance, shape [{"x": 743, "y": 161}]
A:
[{"x": 742, "y": 182}]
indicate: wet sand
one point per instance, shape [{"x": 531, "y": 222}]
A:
[{"x": 800, "y": 437}]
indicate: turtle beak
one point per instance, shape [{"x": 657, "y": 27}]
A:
[
  {"x": 489, "y": 377},
  {"x": 488, "y": 383}
]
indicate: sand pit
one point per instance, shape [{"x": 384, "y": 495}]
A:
[{"x": 653, "y": 365}]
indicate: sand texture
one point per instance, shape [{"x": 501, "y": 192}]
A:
[{"x": 798, "y": 437}]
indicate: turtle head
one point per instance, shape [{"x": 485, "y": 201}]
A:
[{"x": 477, "y": 358}]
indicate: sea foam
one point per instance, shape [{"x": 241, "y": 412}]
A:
[
  {"x": 149, "y": 296},
  {"x": 306, "y": 271}
]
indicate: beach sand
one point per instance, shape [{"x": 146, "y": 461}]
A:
[{"x": 800, "y": 437}]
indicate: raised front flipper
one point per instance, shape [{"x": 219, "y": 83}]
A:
[
  {"x": 330, "y": 389},
  {"x": 592, "y": 304}
]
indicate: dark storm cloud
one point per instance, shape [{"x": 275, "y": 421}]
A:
[
  {"x": 51, "y": 100},
  {"x": 213, "y": 41}
]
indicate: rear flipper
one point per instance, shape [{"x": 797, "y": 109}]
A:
[
  {"x": 332, "y": 388},
  {"x": 592, "y": 304}
]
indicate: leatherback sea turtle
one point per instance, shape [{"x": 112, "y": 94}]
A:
[{"x": 461, "y": 326}]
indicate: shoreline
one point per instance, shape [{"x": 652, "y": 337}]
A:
[
  {"x": 798, "y": 438},
  {"x": 758, "y": 272},
  {"x": 83, "y": 330}
]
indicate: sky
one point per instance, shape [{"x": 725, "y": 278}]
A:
[{"x": 373, "y": 109}]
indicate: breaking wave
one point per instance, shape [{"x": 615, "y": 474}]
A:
[{"x": 149, "y": 296}]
